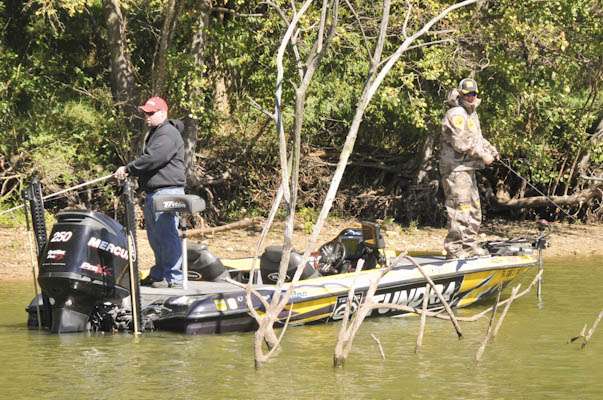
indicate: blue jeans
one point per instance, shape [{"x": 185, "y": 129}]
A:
[{"x": 162, "y": 231}]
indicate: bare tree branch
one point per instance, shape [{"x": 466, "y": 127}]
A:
[
  {"x": 376, "y": 59},
  {"x": 266, "y": 324},
  {"x": 287, "y": 245},
  {"x": 234, "y": 13},
  {"x": 364, "y": 38},
  {"x": 406, "y": 18},
  {"x": 584, "y": 336},
  {"x": 288, "y": 186},
  {"x": 371, "y": 86},
  {"x": 438, "y": 294},
  {"x": 261, "y": 109},
  {"x": 385, "y": 60},
  {"x": 300, "y": 66}
]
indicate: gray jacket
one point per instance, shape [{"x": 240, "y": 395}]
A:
[{"x": 162, "y": 161}]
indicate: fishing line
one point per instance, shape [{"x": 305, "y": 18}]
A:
[
  {"x": 56, "y": 194},
  {"x": 93, "y": 181},
  {"x": 536, "y": 189},
  {"x": 78, "y": 192}
]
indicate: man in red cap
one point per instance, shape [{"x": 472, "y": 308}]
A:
[{"x": 160, "y": 170}]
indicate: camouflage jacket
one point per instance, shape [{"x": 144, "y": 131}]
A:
[{"x": 462, "y": 146}]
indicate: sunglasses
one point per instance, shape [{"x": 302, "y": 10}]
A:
[
  {"x": 149, "y": 113},
  {"x": 472, "y": 94}
]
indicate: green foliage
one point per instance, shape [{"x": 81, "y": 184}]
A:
[
  {"x": 538, "y": 90},
  {"x": 13, "y": 219},
  {"x": 16, "y": 219},
  {"x": 308, "y": 217},
  {"x": 538, "y": 64},
  {"x": 413, "y": 227}
]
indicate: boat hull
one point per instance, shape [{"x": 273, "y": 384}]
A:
[{"x": 322, "y": 300}]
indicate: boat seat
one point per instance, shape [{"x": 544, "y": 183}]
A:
[
  {"x": 270, "y": 261},
  {"x": 182, "y": 203}
]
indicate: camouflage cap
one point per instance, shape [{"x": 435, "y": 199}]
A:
[{"x": 468, "y": 85}]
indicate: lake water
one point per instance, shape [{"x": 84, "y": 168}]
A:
[{"x": 530, "y": 358}]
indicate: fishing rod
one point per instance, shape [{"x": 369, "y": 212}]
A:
[
  {"x": 536, "y": 189},
  {"x": 50, "y": 196}
]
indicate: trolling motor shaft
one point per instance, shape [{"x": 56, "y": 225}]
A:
[
  {"x": 134, "y": 276},
  {"x": 34, "y": 202}
]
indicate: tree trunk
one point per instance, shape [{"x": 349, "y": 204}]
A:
[
  {"x": 577, "y": 199},
  {"x": 597, "y": 137},
  {"x": 288, "y": 187},
  {"x": 191, "y": 124},
  {"x": 426, "y": 160},
  {"x": 123, "y": 85},
  {"x": 210, "y": 230},
  {"x": 172, "y": 9},
  {"x": 221, "y": 103}
]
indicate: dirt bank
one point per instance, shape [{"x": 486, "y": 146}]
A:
[{"x": 566, "y": 240}]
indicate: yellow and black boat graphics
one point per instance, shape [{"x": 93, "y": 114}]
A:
[
  {"x": 462, "y": 283},
  {"x": 323, "y": 299}
]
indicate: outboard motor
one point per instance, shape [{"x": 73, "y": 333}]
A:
[
  {"x": 271, "y": 259},
  {"x": 84, "y": 263}
]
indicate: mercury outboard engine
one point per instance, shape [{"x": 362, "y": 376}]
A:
[{"x": 84, "y": 263}]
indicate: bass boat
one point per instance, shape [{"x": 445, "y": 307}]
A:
[{"x": 87, "y": 263}]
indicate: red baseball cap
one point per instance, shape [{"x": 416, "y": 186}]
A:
[{"x": 154, "y": 104}]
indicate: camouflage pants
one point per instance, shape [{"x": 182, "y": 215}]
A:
[{"x": 464, "y": 214}]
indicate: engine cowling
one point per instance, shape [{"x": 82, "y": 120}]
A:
[{"x": 84, "y": 263}]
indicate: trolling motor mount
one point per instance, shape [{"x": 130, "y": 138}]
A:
[{"x": 544, "y": 229}]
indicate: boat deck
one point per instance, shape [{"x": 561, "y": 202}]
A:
[
  {"x": 195, "y": 288},
  {"x": 198, "y": 288}
]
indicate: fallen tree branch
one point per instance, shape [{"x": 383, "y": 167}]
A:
[
  {"x": 440, "y": 297},
  {"x": 257, "y": 294},
  {"x": 210, "y": 181},
  {"x": 592, "y": 178},
  {"x": 244, "y": 223},
  {"x": 491, "y": 333},
  {"x": 482, "y": 347},
  {"x": 579, "y": 198},
  {"x": 379, "y": 344},
  {"x": 348, "y": 333},
  {"x": 505, "y": 310},
  {"x": 423, "y": 319},
  {"x": 379, "y": 166},
  {"x": 586, "y": 337},
  {"x": 440, "y": 315}
]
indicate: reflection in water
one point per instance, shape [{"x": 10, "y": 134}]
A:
[{"x": 529, "y": 359}]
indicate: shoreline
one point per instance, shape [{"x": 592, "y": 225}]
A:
[{"x": 566, "y": 240}]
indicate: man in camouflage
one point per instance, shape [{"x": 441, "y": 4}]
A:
[{"x": 463, "y": 150}]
